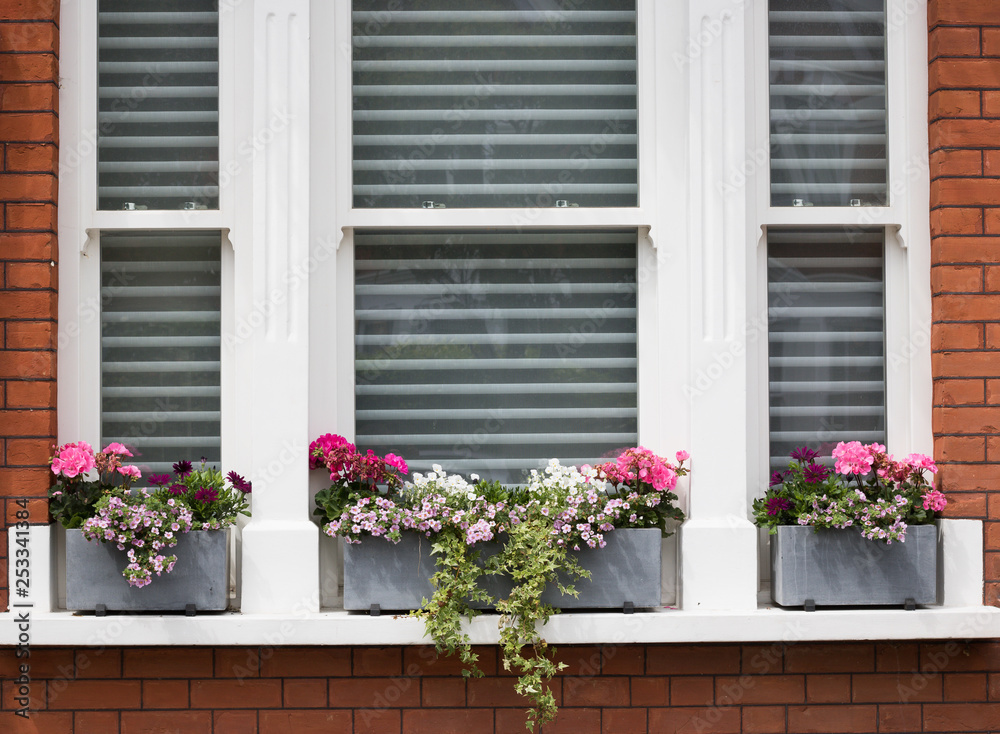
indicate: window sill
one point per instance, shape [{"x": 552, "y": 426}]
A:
[{"x": 765, "y": 624}]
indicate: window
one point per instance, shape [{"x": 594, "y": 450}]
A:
[{"x": 493, "y": 348}]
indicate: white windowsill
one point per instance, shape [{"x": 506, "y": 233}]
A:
[{"x": 766, "y": 624}]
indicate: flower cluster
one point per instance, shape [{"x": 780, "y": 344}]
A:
[
  {"x": 350, "y": 468},
  {"x": 144, "y": 524},
  {"x": 141, "y": 522},
  {"x": 881, "y": 495},
  {"x": 580, "y": 505}
]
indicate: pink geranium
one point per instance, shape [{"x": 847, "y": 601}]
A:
[
  {"x": 73, "y": 459},
  {"x": 116, "y": 448},
  {"x": 935, "y": 500},
  {"x": 853, "y": 458}
]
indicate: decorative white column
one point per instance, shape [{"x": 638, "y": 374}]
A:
[
  {"x": 718, "y": 542},
  {"x": 280, "y": 543}
]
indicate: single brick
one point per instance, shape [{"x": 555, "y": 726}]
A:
[
  {"x": 954, "y": 220},
  {"x": 960, "y": 448}
]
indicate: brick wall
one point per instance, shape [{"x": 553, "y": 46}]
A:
[
  {"x": 715, "y": 689},
  {"x": 965, "y": 250},
  {"x": 29, "y": 50}
]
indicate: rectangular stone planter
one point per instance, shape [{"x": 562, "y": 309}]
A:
[
  {"x": 397, "y": 577},
  {"x": 200, "y": 576},
  {"x": 841, "y": 568}
]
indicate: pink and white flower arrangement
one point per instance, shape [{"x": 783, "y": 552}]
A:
[{"x": 868, "y": 489}]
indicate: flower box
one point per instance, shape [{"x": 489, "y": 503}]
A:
[
  {"x": 834, "y": 567},
  {"x": 200, "y": 576},
  {"x": 398, "y": 576}
]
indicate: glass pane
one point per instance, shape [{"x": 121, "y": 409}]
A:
[
  {"x": 492, "y": 352},
  {"x": 509, "y": 104},
  {"x": 826, "y": 339},
  {"x": 158, "y": 104},
  {"x": 160, "y": 345},
  {"x": 828, "y": 103}
]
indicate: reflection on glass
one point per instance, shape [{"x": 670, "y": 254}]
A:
[
  {"x": 495, "y": 104},
  {"x": 158, "y": 104},
  {"x": 826, "y": 340},
  {"x": 491, "y": 351},
  {"x": 828, "y": 102}
]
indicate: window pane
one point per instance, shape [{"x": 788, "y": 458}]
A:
[
  {"x": 500, "y": 106},
  {"x": 158, "y": 104},
  {"x": 828, "y": 102},
  {"x": 826, "y": 339},
  {"x": 491, "y": 351},
  {"x": 160, "y": 345}
]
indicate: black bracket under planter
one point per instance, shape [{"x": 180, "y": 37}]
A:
[
  {"x": 100, "y": 610},
  {"x": 810, "y": 605},
  {"x": 909, "y": 605},
  {"x": 375, "y": 610},
  {"x": 628, "y": 608},
  {"x": 190, "y": 610}
]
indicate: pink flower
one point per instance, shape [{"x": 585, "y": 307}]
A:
[
  {"x": 853, "y": 458},
  {"x": 934, "y": 500},
  {"x": 920, "y": 461},
  {"x": 130, "y": 471},
  {"x": 116, "y": 448},
  {"x": 683, "y": 456},
  {"x": 73, "y": 459},
  {"x": 397, "y": 463}
]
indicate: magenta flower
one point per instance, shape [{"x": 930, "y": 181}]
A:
[
  {"x": 777, "y": 478},
  {"x": 815, "y": 473},
  {"x": 159, "y": 480},
  {"x": 182, "y": 468},
  {"x": 804, "y": 454},
  {"x": 177, "y": 489},
  {"x": 397, "y": 463},
  {"x": 778, "y": 504},
  {"x": 206, "y": 494},
  {"x": 239, "y": 482}
]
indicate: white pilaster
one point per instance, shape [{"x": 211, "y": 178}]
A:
[
  {"x": 718, "y": 542},
  {"x": 280, "y": 544},
  {"x": 960, "y": 555}
]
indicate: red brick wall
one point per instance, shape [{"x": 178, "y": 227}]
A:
[
  {"x": 715, "y": 689},
  {"x": 965, "y": 250},
  {"x": 29, "y": 62}
]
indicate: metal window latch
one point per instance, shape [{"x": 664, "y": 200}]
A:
[
  {"x": 801, "y": 202},
  {"x": 855, "y": 202},
  {"x": 131, "y": 206},
  {"x": 563, "y": 204},
  {"x": 432, "y": 204},
  {"x": 193, "y": 206}
]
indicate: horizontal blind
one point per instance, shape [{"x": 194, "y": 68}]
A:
[
  {"x": 502, "y": 106},
  {"x": 158, "y": 104},
  {"x": 492, "y": 352},
  {"x": 826, "y": 340},
  {"x": 828, "y": 102},
  {"x": 161, "y": 345}
]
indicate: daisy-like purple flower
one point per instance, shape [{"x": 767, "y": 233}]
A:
[
  {"x": 159, "y": 480},
  {"x": 804, "y": 453},
  {"x": 182, "y": 468},
  {"x": 206, "y": 494},
  {"x": 239, "y": 482},
  {"x": 815, "y": 473},
  {"x": 177, "y": 489},
  {"x": 777, "y": 478},
  {"x": 778, "y": 504}
]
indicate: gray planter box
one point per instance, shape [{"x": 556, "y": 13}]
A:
[
  {"x": 200, "y": 576},
  {"x": 398, "y": 576},
  {"x": 841, "y": 568}
]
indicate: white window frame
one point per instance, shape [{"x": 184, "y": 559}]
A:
[{"x": 680, "y": 331}]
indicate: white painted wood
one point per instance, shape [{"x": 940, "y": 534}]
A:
[
  {"x": 718, "y": 543},
  {"x": 280, "y": 569},
  {"x": 961, "y": 554}
]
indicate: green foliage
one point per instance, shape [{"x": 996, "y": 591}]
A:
[
  {"x": 72, "y": 502},
  {"x": 213, "y": 503},
  {"x": 533, "y": 562}
]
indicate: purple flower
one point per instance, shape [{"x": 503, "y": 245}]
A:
[
  {"x": 815, "y": 473},
  {"x": 159, "y": 480},
  {"x": 182, "y": 468},
  {"x": 778, "y": 504},
  {"x": 177, "y": 489},
  {"x": 239, "y": 482},
  {"x": 777, "y": 478},
  {"x": 206, "y": 494},
  {"x": 804, "y": 453}
]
